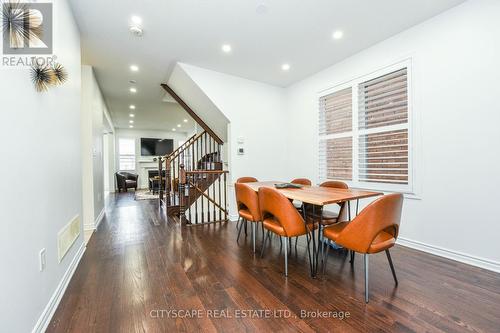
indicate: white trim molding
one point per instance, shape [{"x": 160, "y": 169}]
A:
[
  {"x": 46, "y": 316},
  {"x": 99, "y": 218},
  {"x": 450, "y": 254}
]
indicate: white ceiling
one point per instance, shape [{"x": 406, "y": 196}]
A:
[{"x": 298, "y": 32}]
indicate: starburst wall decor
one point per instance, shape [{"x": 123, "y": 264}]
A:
[
  {"x": 60, "y": 74},
  {"x": 44, "y": 76}
]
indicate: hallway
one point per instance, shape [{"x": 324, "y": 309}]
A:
[{"x": 137, "y": 266}]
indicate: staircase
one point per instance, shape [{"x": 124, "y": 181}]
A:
[{"x": 195, "y": 185}]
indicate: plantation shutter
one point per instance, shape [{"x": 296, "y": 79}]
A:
[
  {"x": 335, "y": 132},
  {"x": 383, "y": 129}
]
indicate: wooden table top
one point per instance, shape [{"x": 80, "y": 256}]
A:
[{"x": 317, "y": 195}]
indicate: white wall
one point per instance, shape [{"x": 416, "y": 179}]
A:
[
  {"x": 257, "y": 115},
  {"x": 94, "y": 112},
  {"x": 41, "y": 164},
  {"x": 455, "y": 71},
  {"x": 184, "y": 86},
  {"x": 144, "y": 162}
]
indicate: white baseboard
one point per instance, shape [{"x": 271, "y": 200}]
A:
[
  {"x": 44, "y": 320},
  {"x": 450, "y": 254},
  {"x": 89, "y": 227},
  {"x": 99, "y": 218}
]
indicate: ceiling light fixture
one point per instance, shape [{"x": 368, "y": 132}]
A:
[
  {"x": 185, "y": 120},
  {"x": 135, "y": 26},
  {"x": 131, "y": 126},
  {"x": 131, "y": 121},
  {"x": 132, "y": 107},
  {"x": 285, "y": 67},
  {"x": 338, "y": 34},
  {"x": 226, "y": 48},
  {"x": 133, "y": 90},
  {"x": 178, "y": 125},
  {"x": 134, "y": 68},
  {"x": 132, "y": 115},
  {"x": 173, "y": 129}
]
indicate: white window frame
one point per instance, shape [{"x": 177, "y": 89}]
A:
[
  {"x": 356, "y": 132},
  {"x": 120, "y": 154}
]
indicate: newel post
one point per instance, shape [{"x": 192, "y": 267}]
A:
[
  {"x": 160, "y": 182},
  {"x": 182, "y": 192},
  {"x": 168, "y": 181}
]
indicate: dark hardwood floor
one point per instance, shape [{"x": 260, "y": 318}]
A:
[{"x": 138, "y": 265}]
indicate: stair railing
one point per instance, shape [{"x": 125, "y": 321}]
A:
[
  {"x": 203, "y": 196},
  {"x": 199, "y": 152}
]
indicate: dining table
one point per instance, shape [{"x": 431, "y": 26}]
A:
[{"x": 317, "y": 197}]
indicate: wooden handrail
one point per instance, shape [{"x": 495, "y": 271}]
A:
[
  {"x": 192, "y": 113},
  {"x": 212, "y": 172},
  {"x": 181, "y": 146},
  {"x": 190, "y": 144}
]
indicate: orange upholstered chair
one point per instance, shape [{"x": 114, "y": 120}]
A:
[
  {"x": 374, "y": 230},
  {"x": 301, "y": 181},
  {"x": 246, "y": 180},
  {"x": 248, "y": 208},
  {"x": 280, "y": 217}
]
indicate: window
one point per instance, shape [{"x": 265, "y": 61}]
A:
[
  {"x": 364, "y": 132},
  {"x": 126, "y": 149}
]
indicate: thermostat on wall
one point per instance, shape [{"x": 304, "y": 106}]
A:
[{"x": 241, "y": 151}]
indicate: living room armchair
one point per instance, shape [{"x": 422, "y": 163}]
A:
[{"x": 126, "y": 180}]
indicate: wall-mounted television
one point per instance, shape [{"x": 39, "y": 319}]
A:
[{"x": 156, "y": 147}]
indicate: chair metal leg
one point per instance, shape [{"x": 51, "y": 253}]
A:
[
  {"x": 264, "y": 245},
  {"x": 392, "y": 266},
  {"x": 286, "y": 256},
  {"x": 239, "y": 231},
  {"x": 325, "y": 259},
  {"x": 352, "y": 257},
  {"x": 322, "y": 240},
  {"x": 245, "y": 227},
  {"x": 253, "y": 236},
  {"x": 281, "y": 244},
  {"x": 366, "y": 277}
]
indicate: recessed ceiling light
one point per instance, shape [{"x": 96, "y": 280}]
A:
[
  {"x": 173, "y": 129},
  {"x": 178, "y": 125},
  {"x": 185, "y": 120},
  {"x": 134, "y": 68},
  {"x": 131, "y": 121},
  {"x": 338, "y": 34},
  {"x": 226, "y": 48},
  {"x": 136, "y": 20},
  {"x": 131, "y": 126},
  {"x": 132, "y": 107},
  {"x": 132, "y": 115},
  {"x": 133, "y": 90},
  {"x": 285, "y": 67}
]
